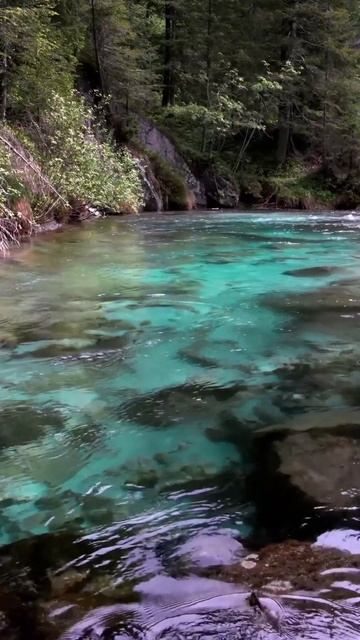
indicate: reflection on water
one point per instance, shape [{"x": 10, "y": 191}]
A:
[
  {"x": 200, "y": 608},
  {"x": 169, "y": 377}
]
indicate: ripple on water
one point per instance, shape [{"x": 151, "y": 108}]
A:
[
  {"x": 202, "y": 608},
  {"x": 138, "y": 358}
]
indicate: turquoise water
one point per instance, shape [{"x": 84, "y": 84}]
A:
[{"x": 138, "y": 356}]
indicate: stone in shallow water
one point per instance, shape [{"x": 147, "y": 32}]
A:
[
  {"x": 25, "y": 566},
  {"x": 332, "y": 298},
  {"x": 172, "y": 405},
  {"x": 68, "y": 581},
  {"x": 205, "y": 550},
  {"x": 322, "y": 420},
  {"x": 318, "y": 454},
  {"x": 311, "y": 272},
  {"x": 21, "y": 424},
  {"x": 342, "y": 539},
  {"x": 325, "y": 467}
]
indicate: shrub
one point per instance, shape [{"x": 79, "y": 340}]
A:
[
  {"x": 11, "y": 187},
  {"x": 85, "y": 166},
  {"x": 297, "y": 186}
]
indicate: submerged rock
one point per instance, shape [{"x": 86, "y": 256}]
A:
[
  {"x": 322, "y": 420},
  {"x": 311, "y": 272},
  {"x": 205, "y": 550},
  {"x": 26, "y": 566},
  {"x": 172, "y": 405},
  {"x": 21, "y": 424},
  {"x": 317, "y": 454},
  {"x": 325, "y": 467},
  {"x": 332, "y": 298}
]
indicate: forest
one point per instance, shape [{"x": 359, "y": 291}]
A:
[{"x": 258, "y": 98}]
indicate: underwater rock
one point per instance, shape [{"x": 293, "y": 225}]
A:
[
  {"x": 22, "y": 423},
  {"x": 311, "y": 272},
  {"x": 146, "y": 478},
  {"x": 19, "y": 620},
  {"x": 172, "y": 405},
  {"x": 204, "y": 550},
  {"x": 232, "y": 430},
  {"x": 325, "y": 467},
  {"x": 331, "y": 298},
  {"x": 197, "y": 358},
  {"x": 25, "y": 566},
  {"x": 317, "y": 454},
  {"x": 162, "y": 458},
  {"x": 322, "y": 420},
  {"x": 69, "y": 580}
]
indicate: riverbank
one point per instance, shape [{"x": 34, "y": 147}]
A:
[{"x": 48, "y": 177}]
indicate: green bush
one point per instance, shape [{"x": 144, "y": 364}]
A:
[
  {"x": 83, "y": 165},
  {"x": 11, "y": 187},
  {"x": 297, "y": 186}
]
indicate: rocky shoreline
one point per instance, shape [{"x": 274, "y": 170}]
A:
[{"x": 45, "y": 588}]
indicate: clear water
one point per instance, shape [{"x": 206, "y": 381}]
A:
[{"x": 128, "y": 348}]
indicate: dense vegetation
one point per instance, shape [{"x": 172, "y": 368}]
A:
[{"x": 264, "y": 94}]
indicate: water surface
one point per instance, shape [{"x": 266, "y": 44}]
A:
[{"x": 138, "y": 358}]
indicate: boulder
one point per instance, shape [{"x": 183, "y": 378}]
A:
[
  {"x": 220, "y": 191},
  {"x": 204, "y": 550},
  {"x": 319, "y": 455},
  {"x": 347, "y": 540},
  {"x": 153, "y": 200},
  {"x": 324, "y": 466},
  {"x": 156, "y": 141}
]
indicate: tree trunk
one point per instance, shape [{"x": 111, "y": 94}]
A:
[
  {"x": 208, "y": 65},
  {"x": 325, "y": 96},
  {"x": 169, "y": 55},
  {"x": 3, "y": 86},
  {"x": 96, "y": 46},
  {"x": 284, "y": 125},
  {"x": 285, "y": 106}
]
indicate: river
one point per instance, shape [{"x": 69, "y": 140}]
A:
[{"x": 178, "y": 392}]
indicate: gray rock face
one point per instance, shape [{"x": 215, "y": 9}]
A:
[
  {"x": 152, "y": 193},
  {"x": 155, "y": 140},
  {"x": 220, "y": 191},
  {"x": 324, "y": 466},
  {"x": 205, "y": 550},
  {"x": 319, "y": 454}
]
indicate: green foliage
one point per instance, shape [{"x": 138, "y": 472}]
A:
[
  {"x": 126, "y": 59},
  {"x": 253, "y": 87},
  {"x": 35, "y": 56},
  {"x": 299, "y": 187},
  {"x": 83, "y": 166},
  {"x": 11, "y": 186}
]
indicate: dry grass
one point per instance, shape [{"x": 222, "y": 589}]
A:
[
  {"x": 25, "y": 166},
  {"x": 10, "y": 233},
  {"x": 17, "y": 217}
]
